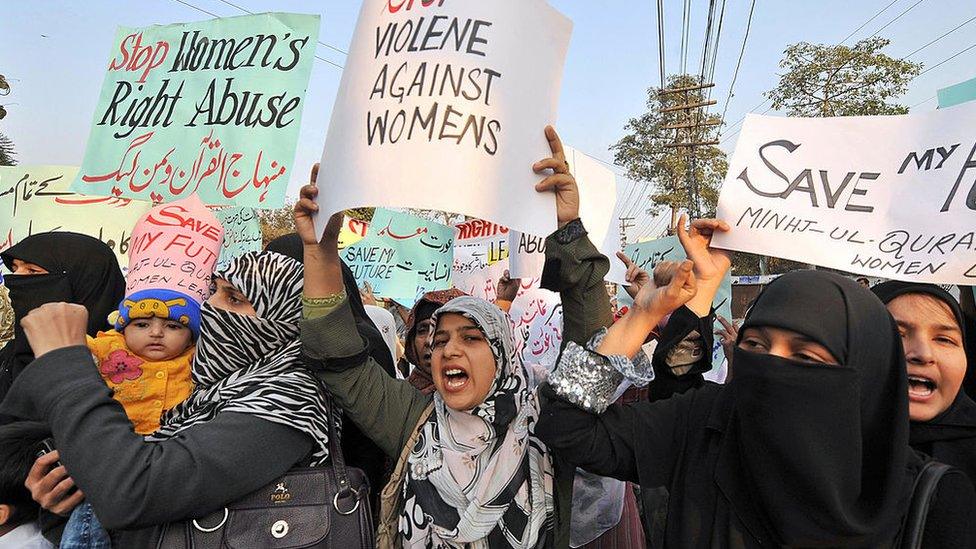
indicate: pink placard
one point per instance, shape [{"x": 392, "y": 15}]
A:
[{"x": 175, "y": 247}]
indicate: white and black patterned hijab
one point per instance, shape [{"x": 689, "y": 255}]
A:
[
  {"x": 479, "y": 479},
  {"x": 252, "y": 364}
]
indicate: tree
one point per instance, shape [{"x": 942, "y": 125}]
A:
[
  {"x": 825, "y": 80},
  {"x": 7, "y": 152},
  {"x": 644, "y": 154},
  {"x": 275, "y": 223}
]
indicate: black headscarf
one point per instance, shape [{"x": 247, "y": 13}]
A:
[
  {"x": 81, "y": 269},
  {"x": 291, "y": 246},
  {"x": 949, "y": 437},
  {"x": 823, "y": 450}
]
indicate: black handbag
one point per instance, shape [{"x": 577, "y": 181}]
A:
[{"x": 309, "y": 507}]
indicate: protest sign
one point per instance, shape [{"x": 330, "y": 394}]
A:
[
  {"x": 211, "y": 107},
  {"x": 480, "y": 259},
  {"x": 442, "y": 106},
  {"x": 402, "y": 256},
  {"x": 648, "y": 255},
  {"x": 352, "y": 231},
  {"x": 957, "y": 94},
  {"x": 36, "y": 199},
  {"x": 598, "y": 200},
  {"x": 242, "y": 233},
  {"x": 887, "y": 196},
  {"x": 175, "y": 247}
]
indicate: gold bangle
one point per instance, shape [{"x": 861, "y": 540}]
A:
[{"x": 328, "y": 301}]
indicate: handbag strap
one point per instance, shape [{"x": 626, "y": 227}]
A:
[
  {"x": 390, "y": 496},
  {"x": 926, "y": 483},
  {"x": 335, "y": 449}
]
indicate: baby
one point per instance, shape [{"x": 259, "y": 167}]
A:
[{"x": 146, "y": 359}]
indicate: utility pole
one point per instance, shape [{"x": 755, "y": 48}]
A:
[
  {"x": 625, "y": 223},
  {"x": 689, "y": 132}
]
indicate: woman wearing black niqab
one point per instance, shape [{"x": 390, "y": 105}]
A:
[
  {"x": 80, "y": 269},
  {"x": 950, "y": 436},
  {"x": 796, "y": 450}
]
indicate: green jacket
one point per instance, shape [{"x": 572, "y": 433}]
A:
[{"x": 387, "y": 409}]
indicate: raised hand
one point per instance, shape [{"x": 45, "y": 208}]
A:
[
  {"x": 305, "y": 210},
  {"x": 636, "y": 276},
  {"x": 727, "y": 335},
  {"x": 710, "y": 263},
  {"x": 507, "y": 287},
  {"x": 367, "y": 294},
  {"x": 664, "y": 271},
  {"x": 626, "y": 336},
  {"x": 560, "y": 181},
  {"x": 664, "y": 300},
  {"x": 323, "y": 268},
  {"x": 54, "y": 326}
]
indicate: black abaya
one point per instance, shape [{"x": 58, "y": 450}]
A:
[{"x": 788, "y": 452}]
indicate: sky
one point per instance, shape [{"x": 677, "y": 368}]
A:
[{"x": 54, "y": 55}]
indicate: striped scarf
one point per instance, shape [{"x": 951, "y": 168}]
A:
[{"x": 252, "y": 364}]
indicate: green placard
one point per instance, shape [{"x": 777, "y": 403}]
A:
[
  {"x": 212, "y": 107},
  {"x": 958, "y": 93}
]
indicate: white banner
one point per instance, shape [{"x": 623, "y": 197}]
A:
[
  {"x": 598, "y": 199},
  {"x": 442, "y": 106},
  {"x": 887, "y": 196}
]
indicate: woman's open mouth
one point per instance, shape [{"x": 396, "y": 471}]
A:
[
  {"x": 455, "y": 379},
  {"x": 921, "y": 387}
]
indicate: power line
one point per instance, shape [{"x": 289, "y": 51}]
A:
[
  {"x": 897, "y": 17},
  {"x": 633, "y": 202},
  {"x": 729, "y": 136},
  {"x": 685, "y": 35},
  {"x": 922, "y": 102},
  {"x": 718, "y": 38},
  {"x": 643, "y": 229},
  {"x": 630, "y": 195},
  {"x": 212, "y": 14},
  {"x": 245, "y": 10},
  {"x": 946, "y": 60},
  {"x": 947, "y": 33},
  {"x": 852, "y": 33},
  {"x": 660, "y": 38},
  {"x": 873, "y": 17},
  {"x": 708, "y": 41},
  {"x": 738, "y": 64}
]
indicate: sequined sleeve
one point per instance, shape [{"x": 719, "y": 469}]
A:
[{"x": 589, "y": 379}]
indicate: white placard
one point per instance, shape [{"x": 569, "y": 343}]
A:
[
  {"x": 598, "y": 200},
  {"x": 442, "y": 106},
  {"x": 887, "y": 196}
]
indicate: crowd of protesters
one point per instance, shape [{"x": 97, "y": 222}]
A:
[{"x": 839, "y": 404}]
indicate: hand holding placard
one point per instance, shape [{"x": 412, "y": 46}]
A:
[
  {"x": 561, "y": 181},
  {"x": 711, "y": 264},
  {"x": 306, "y": 208}
]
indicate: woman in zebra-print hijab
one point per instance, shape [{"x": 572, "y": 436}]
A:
[
  {"x": 248, "y": 357},
  {"x": 254, "y": 414}
]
